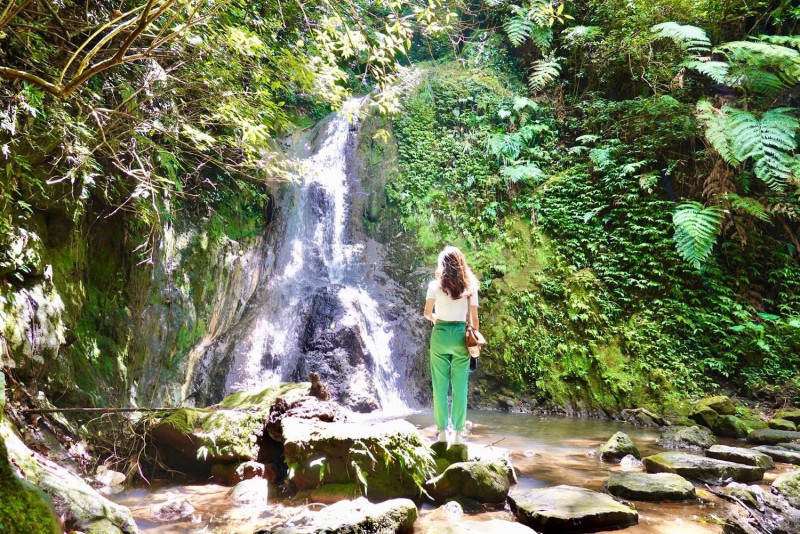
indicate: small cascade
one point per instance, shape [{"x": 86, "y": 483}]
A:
[{"x": 318, "y": 310}]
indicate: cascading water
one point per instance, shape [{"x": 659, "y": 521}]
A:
[{"x": 317, "y": 311}]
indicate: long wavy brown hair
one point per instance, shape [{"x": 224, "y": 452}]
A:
[{"x": 455, "y": 276}]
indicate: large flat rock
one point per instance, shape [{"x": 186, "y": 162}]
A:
[
  {"x": 650, "y": 487},
  {"x": 780, "y": 454},
  {"x": 356, "y": 517},
  {"x": 769, "y": 436},
  {"x": 700, "y": 468},
  {"x": 483, "y": 482},
  {"x": 686, "y": 437},
  {"x": 740, "y": 455},
  {"x": 568, "y": 509}
]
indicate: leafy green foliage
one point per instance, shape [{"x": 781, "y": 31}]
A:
[
  {"x": 696, "y": 230},
  {"x": 690, "y": 38},
  {"x": 767, "y": 141},
  {"x": 543, "y": 72}
]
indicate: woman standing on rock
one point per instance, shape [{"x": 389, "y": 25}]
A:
[{"x": 451, "y": 296}]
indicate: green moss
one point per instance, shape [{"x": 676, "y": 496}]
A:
[{"x": 25, "y": 509}]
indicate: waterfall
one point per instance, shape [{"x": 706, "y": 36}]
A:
[{"x": 320, "y": 309}]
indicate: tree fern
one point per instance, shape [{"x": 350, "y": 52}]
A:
[
  {"x": 761, "y": 66},
  {"x": 748, "y": 205},
  {"x": 696, "y": 230},
  {"x": 518, "y": 27},
  {"x": 767, "y": 141},
  {"x": 719, "y": 71},
  {"x": 715, "y": 122},
  {"x": 792, "y": 41},
  {"x": 690, "y": 38},
  {"x": 543, "y": 72}
]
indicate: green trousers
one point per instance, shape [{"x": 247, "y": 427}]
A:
[{"x": 449, "y": 366}]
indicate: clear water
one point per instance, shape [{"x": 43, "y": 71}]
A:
[{"x": 546, "y": 451}]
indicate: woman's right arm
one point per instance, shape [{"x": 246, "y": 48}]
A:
[{"x": 429, "y": 315}]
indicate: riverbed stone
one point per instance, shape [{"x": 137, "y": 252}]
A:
[
  {"x": 390, "y": 456},
  {"x": 642, "y": 417},
  {"x": 790, "y": 414},
  {"x": 722, "y": 404},
  {"x": 782, "y": 424},
  {"x": 482, "y": 482},
  {"x": 790, "y": 446},
  {"x": 780, "y": 454},
  {"x": 569, "y": 509},
  {"x": 686, "y": 437},
  {"x": 492, "y": 526},
  {"x": 740, "y": 455},
  {"x": 650, "y": 487},
  {"x": 171, "y": 510},
  {"x": 695, "y": 467},
  {"x": 494, "y": 455},
  {"x": 770, "y": 436},
  {"x": 617, "y": 447},
  {"x": 788, "y": 485},
  {"x": 358, "y": 516},
  {"x": 760, "y": 511}
]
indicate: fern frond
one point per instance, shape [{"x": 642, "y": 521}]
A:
[
  {"x": 543, "y": 72},
  {"x": 748, "y": 205},
  {"x": 767, "y": 141},
  {"x": 518, "y": 27},
  {"x": 792, "y": 41},
  {"x": 716, "y": 70},
  {"x": 582, "y": 35},
  {"x": 519, "y": 173},
  {"x": 696, "y": 230},
  {"x": 542, "y": 36},
  {"x": 716, "y": 126},
  {"x": 765, "y": 67},
  {"x": 690, "y": 38}
]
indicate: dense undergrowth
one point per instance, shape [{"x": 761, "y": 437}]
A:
[{"x": 565, "y": 205}]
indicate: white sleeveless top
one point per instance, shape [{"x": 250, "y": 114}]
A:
[{"x": 448, "y": 309}]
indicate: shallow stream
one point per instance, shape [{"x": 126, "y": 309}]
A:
[{"x": 546, "y": 451}]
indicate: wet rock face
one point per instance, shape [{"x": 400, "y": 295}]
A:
[
  {"x": 758, "y": 511},
  {"x": 336, "y": 352},
  {"x": 482, "y": 482}
]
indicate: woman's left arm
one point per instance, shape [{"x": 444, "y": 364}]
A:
[{"x": 428, "y": 313}]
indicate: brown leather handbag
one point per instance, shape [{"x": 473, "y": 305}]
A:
[{"x": 475, "y": 339}]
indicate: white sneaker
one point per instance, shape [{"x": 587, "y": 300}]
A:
[
  {"x": 457, "y": 440},
  {"x": 442, "y": 436}
]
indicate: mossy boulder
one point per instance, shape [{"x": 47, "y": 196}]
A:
[
  {"x": 82, "y": 506},
  {"x": 701, "y": 468},
  {"x": 568, "y": 509},
  {"x": 331, "y": 493},
  {"x": 721, "y": 404},
  {"x": 768, "y": 436},
  {"x": 617, "y": 447},
  {"x": 788, "y": 485},
  {"x": 482, "y": 482},
  {"x": 24, "y": 508},
  {"x": 790, "y": 414},
  {"x": 650, "y": 487},
  {"x": 790, "y": 446},
  {"x": 703, "y": 415},
  {"x": 782, "y": 424},
  {"x": 388, "y": 459},
  {"x": 686, "y": 437},
  {"x": 729, "y": 426},
  {"x": 740, "y": 455},
  {"x": 194, "y": 438},
  {"x": 453, "y": 453}
]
